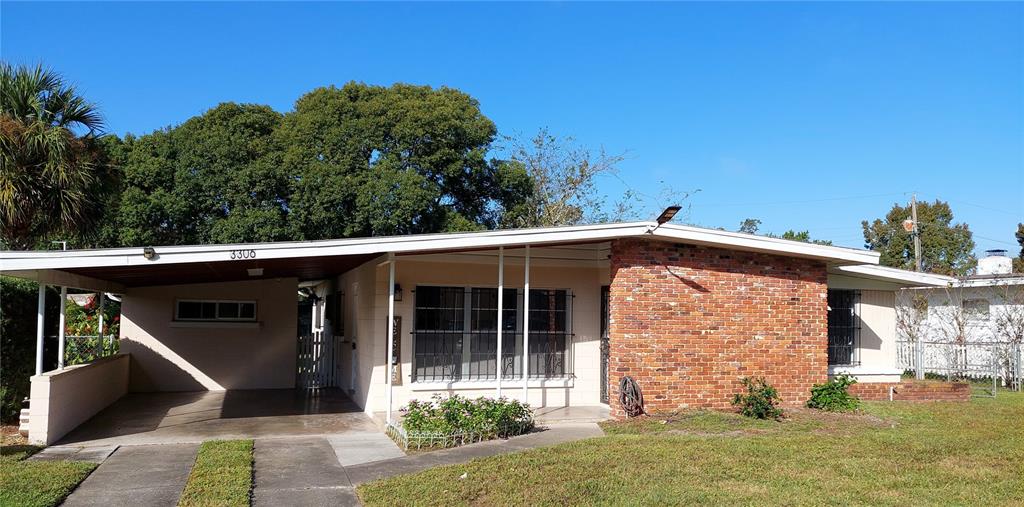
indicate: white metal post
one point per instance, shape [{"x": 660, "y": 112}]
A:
[
  {"x": 526, "y": 326},
  {"x": 103, "y": 302},
  {"x": 61, "y": 340},
  {"x": 919, "y": 358},
  {"x": 391, "y": 333},
  {"x": 40, "y": 322},
  {"x": 501, "y": 306}
]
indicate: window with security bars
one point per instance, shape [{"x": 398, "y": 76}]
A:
[
  {"x": 455, "y": 333},
  {"x": 843, "y": 327}
]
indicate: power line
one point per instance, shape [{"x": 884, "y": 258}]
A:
[
  {"x": 804, "y": 201},
  {"x": 996, "y": 240},
  {"x": 989, "y": 208}
]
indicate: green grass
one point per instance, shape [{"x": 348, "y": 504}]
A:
[
  {"x": 222, "y": 475},
  {"x": 889, "y": 454},
  {"x": 36, "y": 483}
]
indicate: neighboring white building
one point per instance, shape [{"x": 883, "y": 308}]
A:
[{"x": 964, "y": 323}]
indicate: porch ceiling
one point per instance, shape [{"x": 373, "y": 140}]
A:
[{"x": 303, "y": 268}]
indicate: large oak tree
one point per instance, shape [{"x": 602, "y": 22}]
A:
[{"x": 358, "y": 160}]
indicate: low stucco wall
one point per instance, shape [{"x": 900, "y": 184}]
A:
[
  {"x": 63, "y": 399},
  {"x": 214, "y": 356}
]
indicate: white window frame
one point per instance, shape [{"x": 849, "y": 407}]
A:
[
  {"x": 520, "y": 315},
  {"x": 216, "y": 311}
]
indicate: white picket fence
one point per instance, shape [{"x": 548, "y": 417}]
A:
[
  {"x": 318, "y": 360},
  {"x": 974, "y": 360}
]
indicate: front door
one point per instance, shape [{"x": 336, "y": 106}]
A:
[{"x": 604, "y": 344}]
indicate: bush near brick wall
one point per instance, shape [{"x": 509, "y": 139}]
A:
[
  {"x": 913, "y": 391},
  {"x": 687, "y": 322}
]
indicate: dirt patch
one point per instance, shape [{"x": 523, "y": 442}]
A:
[
  {"x": 9, "y": 435},
  {"x": 733, "y": 433}
]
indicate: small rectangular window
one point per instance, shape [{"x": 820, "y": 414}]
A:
[
  {"x": 976, "y": 310},
  {"x": 228, "y": 311}
]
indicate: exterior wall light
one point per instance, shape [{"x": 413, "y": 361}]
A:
[
  {"x": 398, "y": 292},
  {"x": 667, "y": 215}
]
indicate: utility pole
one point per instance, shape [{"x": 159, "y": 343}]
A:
[{"x": 916, "y": 232}]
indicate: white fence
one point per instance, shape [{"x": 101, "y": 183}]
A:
[
  {"x": 318, "y": 360},
  {"x": 998, "y": 361}
]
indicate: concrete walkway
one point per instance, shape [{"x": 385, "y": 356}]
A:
[
  {"x": 552, "y": 435},
  {"x": 320, "y": 470},
  {"x": 151, "y": 475},
  {"x": 92, "y": 454},
  {"x": 299, "y": 471}
]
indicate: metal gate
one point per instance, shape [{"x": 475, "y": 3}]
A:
[
  {"x": 605, "y": 347},
  {"x": 317, "y": 361}
]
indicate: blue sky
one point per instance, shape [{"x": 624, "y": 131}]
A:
[{"x": 806, "y": 116}]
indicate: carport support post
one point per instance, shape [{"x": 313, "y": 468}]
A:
[
  {"x": 60, "y": 328},
  {"x": 40, "y": 322},
  {"x": 501, "y": 306},
  {"x": 101, "y": 330},
  {"x": 526, "y": 326},
  {"x": 391, "y": 332}
]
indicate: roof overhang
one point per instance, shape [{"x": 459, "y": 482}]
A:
[
  {"x": 900, "y": 277},
  {"x": 316, "y": 259}
]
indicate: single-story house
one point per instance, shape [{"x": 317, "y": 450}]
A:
[{"x": 685, "y": 311}]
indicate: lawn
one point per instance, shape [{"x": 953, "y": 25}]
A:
[
  {"x": 222, "y": 475},
  {"x": 36, "y": 483},
  {"x": 889, "y": 454}
]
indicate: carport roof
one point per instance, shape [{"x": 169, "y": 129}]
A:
[{"x": 316, "y": 259}]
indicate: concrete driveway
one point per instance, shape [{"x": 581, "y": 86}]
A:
[{"x": 174, "y": 418}]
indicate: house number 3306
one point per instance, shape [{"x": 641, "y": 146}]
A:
[{"x": 243, "y": 254}]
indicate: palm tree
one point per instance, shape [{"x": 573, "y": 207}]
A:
[{"x": 52, "y": 167}]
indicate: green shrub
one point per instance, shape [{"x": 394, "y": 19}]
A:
[
  {"x": 18, "y": 306},
  {"x": 834, "y": 395},
  {"x": 485, "y": 417},
  {"x": 761, "y": 399}
]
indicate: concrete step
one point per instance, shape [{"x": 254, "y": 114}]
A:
[{"x": 23, "y": 422}]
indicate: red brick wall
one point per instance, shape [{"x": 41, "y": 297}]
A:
[
  {"x": 909, "y": 390},
  {"x": 687, "y": 322}
]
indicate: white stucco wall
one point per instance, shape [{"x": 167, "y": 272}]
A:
[
  {"x": 877, "y": 313},
  {"x": 943, "y": 306},
  {"x": 63, "y": 399},
  {"x": 366, "y": 298},
  {"x": 194, "y": 356},
  {"x": 877, "y": 351}
]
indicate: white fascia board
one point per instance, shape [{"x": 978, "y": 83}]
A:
[
  {"x": 752, "y": 242},
  {"x": 427, "y": 243},
  {"x": 11, "y": 261},
  {"x": 1015, "y": 279},
  {"x": 902, "y": 276}
]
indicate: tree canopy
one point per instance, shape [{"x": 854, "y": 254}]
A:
[
  {"x": 358, "y": 160},
  {"x": 804, "y": 236},
  {"x": 946, "y": 247},
  {"x": 1018, "y": 262}
]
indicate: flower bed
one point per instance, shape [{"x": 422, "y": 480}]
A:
[{"x": 456, "y": 420}]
